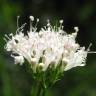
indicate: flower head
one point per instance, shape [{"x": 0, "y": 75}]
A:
[{"x": 51, "y": 46}]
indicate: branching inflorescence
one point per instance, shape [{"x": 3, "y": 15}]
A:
[{"x": 49, "y": 50}]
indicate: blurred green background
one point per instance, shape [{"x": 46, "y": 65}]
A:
[{"x": 80, "y": 81}]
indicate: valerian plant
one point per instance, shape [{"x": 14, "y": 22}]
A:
[{"x": 47, "y": 53}]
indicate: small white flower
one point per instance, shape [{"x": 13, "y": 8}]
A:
[
  {"x": 50, "y": 44},
  {"x": 19, "y": 59}
]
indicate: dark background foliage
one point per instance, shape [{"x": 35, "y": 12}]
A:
[{"x": 80, "y": 81}]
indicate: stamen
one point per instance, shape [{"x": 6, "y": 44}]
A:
[
  {"x": 7, "y": 37},
  {"x": 35, "y": 28},
  {"x": 88, "y": 49},
  {"x": 76, "y": 29},
  {"x": 18, "y": 21},
  {"x": 92, "y": 52},
  {"x": 20, "y": 28},
  {"x": 49, "y": 25},
  {"x": 31, "y": 20},
  {"x": 48, "y": 22},
  {"x": 61, "y": 22}
]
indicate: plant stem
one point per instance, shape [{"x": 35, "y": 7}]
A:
[
  {"x": 39, "y": 89},
  {"x": 36, "y": 89},
  {"x": 44, "y": 92}
]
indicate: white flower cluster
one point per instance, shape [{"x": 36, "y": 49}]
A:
[{"x": 48, "y": 46}]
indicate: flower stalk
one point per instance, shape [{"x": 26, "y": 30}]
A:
[{"x": 38, "y": 89}]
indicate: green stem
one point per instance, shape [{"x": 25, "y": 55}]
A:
[
  {"x": 39, "y": 90},
  {"x": 36, "y": 89},
  {"x": 44, "y": 92}
]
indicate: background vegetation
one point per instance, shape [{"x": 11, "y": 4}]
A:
[{"x": 81, "y": 81}]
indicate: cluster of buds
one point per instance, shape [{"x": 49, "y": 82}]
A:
[{"x": 50, "y": 47}]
